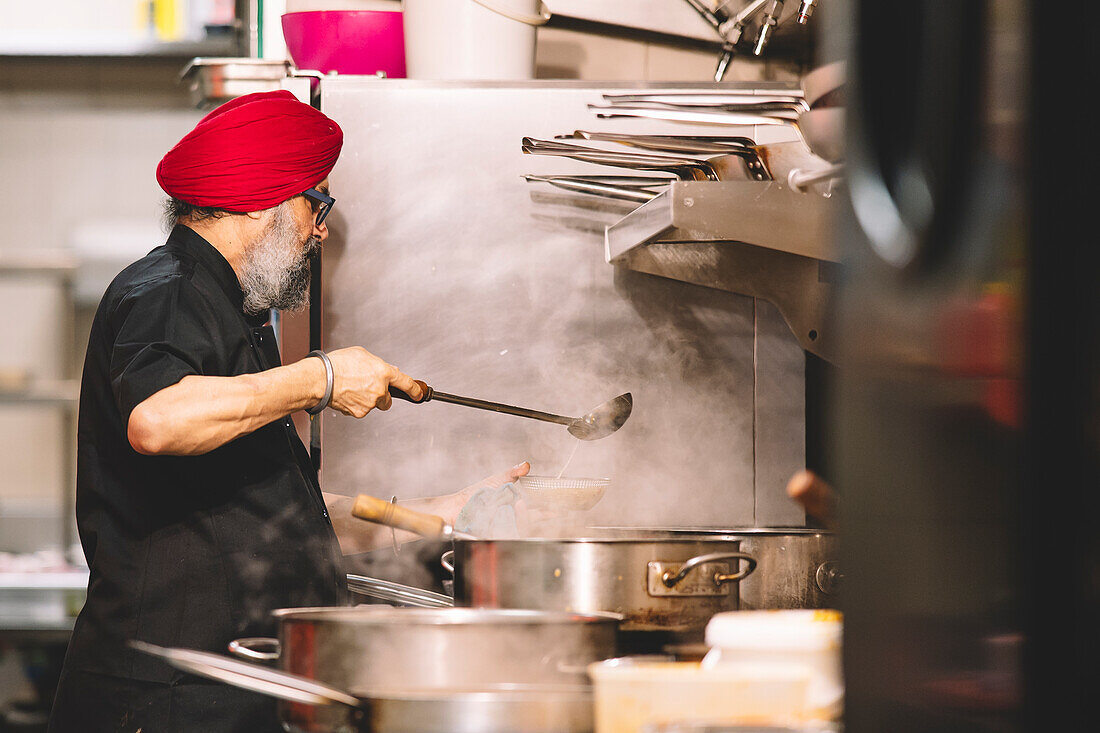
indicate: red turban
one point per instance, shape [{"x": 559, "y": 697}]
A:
[{"x": 252, "y": 153}]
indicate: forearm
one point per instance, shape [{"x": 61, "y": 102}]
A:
[{"x": 198, "y": 414}]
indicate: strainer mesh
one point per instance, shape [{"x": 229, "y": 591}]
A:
[{"x": 538, "y": 483}]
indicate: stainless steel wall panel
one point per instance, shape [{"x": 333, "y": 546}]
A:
[
  {"x": 446, "y": 263},
  {"x": 780, "y": 409}
]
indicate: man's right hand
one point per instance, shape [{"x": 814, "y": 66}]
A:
[
  {"x": 817, "y": 497},
  {"x": 362, "y": 380}
]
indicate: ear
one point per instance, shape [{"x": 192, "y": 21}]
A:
[{"x": 256, "y": 215}]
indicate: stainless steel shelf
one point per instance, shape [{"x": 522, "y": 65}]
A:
[
  {"x": 111, "y": 46},
  {"x": 60, "y": 392},
  {"x": 664, "y": 20},
  {"x": 75, "y": 580},
  {"x": 767, "y": 214},
  {"x": 40, "y": 605},
  {"x": 37, "y": 262},
  {"x": 761, "y": 239}
]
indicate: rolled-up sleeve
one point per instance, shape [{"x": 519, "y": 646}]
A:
[{"x": 162, "y": 334}]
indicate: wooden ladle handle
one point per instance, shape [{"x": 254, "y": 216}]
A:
[
  {"x": 403, "y": 395},
  {"x": 381, "y": 511}
]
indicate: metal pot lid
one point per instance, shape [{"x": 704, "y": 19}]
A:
[
  {"x": 249, "y": 676},
  {"x": 397, "y": 593}
]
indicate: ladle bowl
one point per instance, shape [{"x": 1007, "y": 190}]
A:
[{"x": 603, "y": 420}]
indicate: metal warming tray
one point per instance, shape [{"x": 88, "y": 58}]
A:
[{"x": 213, "y": 81}]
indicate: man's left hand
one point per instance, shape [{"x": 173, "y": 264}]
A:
[
  {"x": 490, "y": 482},
  {"x": 497, "y": 480}
]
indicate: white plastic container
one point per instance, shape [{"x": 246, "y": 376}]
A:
[
  {"x": 632, "y": 695},
  {"x": 465, "y": 39},
  {"x": 776, "y": 642}
]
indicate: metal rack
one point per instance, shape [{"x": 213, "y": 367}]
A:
[
  {"x": 764, "y": 239},
  {"x": 60, "y": 394},
  {"x": 737, "y": 214}
]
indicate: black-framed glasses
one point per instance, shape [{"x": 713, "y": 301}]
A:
[{"x": 321, "y": 202}]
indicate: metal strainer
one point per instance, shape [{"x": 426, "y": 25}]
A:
[{"x": 564, "y": 493}]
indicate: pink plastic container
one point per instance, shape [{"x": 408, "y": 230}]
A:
[{"x": 347, "y": 41}]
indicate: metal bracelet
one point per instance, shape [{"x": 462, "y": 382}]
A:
[
  {"x": 393, "y": 532},
  {"x": 330, "y": 378}
]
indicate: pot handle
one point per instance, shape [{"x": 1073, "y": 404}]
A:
[
  {"x": 541, "y": 19},
  {"x": 447, "y": 560},
  {"x": 671, "y": 580},
  {"x": 381, "y": 511},
  {"x": 245, "y": 648},
  {"x": 828, "y": 577}
]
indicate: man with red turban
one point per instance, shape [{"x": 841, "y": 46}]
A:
[{"x": 198, "y": 508}]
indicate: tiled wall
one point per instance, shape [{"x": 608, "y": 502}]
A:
[{"x": 79, "y": 141}]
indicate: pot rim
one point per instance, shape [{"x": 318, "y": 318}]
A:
[
  {"x": 512, "y": 692},
  {"x": 685, "y": 540},
  {"x": 733, "y": 532},
  {"x": 379, "y": 615}
]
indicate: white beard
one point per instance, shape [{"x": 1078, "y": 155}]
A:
[{"x": 275, "y": 272}]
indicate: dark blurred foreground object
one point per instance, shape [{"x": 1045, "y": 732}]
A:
[{"x": 965, "y": 417}]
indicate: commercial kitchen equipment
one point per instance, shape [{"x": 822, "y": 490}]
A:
[
  {"x": 308, "y": 705},
  {"x": 789, "y": 568},
  {"x": 376, "y": 650},
  {"x": 951, "y": 418},
  {"x": 796, "y": 567},
  {"x": 665, "y": 585}
]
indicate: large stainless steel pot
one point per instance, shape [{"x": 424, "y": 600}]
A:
[
  {"x": 669, "y": 585},
  {"x": 661, "y": 585},
  {"x": 797, "y": 567},
  {"x": 377, "y": 649},
  {"x": 497, "y": 709}
]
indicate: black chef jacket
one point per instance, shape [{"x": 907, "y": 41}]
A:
[{"x": 190, "y": 551}]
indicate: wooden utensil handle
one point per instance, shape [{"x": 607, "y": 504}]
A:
[
  {"x": 381, "y": 511},
  {"x": 402, "y": 395}
]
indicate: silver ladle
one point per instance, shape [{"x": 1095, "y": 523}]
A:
[{"x": 599, "y": 422}]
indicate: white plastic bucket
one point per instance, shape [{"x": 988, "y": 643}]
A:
[
  {"x": 797, "y": 641},
  {"x": 471, "y": 39}
]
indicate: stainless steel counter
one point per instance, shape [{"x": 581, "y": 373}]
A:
[{"x": 40, "y": 604}]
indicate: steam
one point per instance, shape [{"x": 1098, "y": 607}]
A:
[
  {"x": 569, "y": 459},
  {"x": 268, "y": 580},
  {"x": 459, "y": 273}
]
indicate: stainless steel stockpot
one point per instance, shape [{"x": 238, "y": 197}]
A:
[
  {"x": 374, "y": 650},
  {"x": 656, "y": 584},
  {"x": 317, "y": 706},
  {"x": 797, "y": 567}
]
